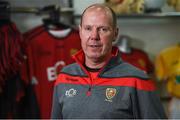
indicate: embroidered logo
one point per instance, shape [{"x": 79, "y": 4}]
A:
[
  {"x": 73, "y": 51},
  {"x": 110, "y": 93},
  {"x": 142, "y": 63},
  {"x": 71, "y": 92}
]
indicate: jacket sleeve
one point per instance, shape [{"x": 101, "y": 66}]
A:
[
  {"x": 147, "y": 105},
  {"x": 56, "y": 107}
]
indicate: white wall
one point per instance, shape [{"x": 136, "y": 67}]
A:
[
  {"x": 80, "y": 5},
  {"x": 32, "y": 3},
  {"x": 152, "y": 35}
]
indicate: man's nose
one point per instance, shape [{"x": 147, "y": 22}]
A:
[{"x": 95, "y": 34}]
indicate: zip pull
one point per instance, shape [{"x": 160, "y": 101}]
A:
[{"x": 88, "y": 93}]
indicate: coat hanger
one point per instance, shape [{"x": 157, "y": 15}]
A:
[
  {"x": 124, "y": 44},
  {"x": 4, "y": 12},
  {"x": 53, "y": 21},
  {"x": 53, "y": 24}
]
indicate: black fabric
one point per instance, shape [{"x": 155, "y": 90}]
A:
[
  {"x": 12, "y": 87},
  {"x": 91, "y": 69},
  {"x": 28, "y": 107},
  {"x": 9, "y": 104},
  {"x": 10, "y": 51}
]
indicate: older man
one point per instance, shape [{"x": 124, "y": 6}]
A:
[{"x": 100, "y": 85}]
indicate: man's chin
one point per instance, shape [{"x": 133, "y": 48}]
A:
[{"x": 96, "y": 56}]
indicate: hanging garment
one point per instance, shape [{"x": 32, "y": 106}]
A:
[
  {"x": 139, "y": 59},
  {"x": 168, "y": 68},
  {"x": 11, "y": 85},
  {"x": 46, "y": 55}
]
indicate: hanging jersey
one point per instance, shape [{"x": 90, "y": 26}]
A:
[
  {"x": 11, "y": 85},
  {"x": 139, "y": 59},
  {"x": 46, "y": 55},
  {"x": 168, "y": 68},
  {"x": 10, "y": 50}
]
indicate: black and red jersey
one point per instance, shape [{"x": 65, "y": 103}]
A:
[
  {"x": 11, "y": 57},
  {"x": 10, "y": 50},
  {"x": 46, "y": 55}
]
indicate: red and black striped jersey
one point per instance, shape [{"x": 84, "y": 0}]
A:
[{"x": 11, "y": 85}]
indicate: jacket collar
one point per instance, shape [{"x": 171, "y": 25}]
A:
[{"x": 115, "y": 57}]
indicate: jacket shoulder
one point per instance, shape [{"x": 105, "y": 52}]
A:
[
  {"x": 73, "y": 69},
  {"x": 125, "y": 69}
]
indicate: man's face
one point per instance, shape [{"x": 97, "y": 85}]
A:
[{"x": 97, "y": 33}]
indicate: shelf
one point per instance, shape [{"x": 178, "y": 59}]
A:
[
  {"x": 36, "y": 10},
  {"x": 152, "y": 15},
  {"x": 148, "y": 15}
]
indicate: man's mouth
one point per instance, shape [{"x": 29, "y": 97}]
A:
[{"x": 95, "y": 46}]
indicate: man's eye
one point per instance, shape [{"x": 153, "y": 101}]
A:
[
  {"x": 103, "y": 29},
  {"x": 87, "y": 28}
]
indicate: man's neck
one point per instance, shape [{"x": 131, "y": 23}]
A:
[
  {"x": 96, "y": 64},
  {"x": 91, "y": 69}
]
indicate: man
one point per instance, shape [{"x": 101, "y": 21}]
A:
[{"x": 100, "y": 85}]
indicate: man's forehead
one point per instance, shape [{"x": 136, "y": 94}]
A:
[{"x": 97, "y": 8}]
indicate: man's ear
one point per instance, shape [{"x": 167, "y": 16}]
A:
[
  {"x": 116, "y": 34},
  {"x": 79, "y": 27},
  {"x": 80, "y": 30}
]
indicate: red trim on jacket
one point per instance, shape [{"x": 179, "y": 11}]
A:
[
  {"x": 134, "y": 82},
  {"x": 80, "y": 57},
  {"x": 147, "y": 85}
]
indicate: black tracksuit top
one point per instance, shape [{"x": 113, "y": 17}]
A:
[{"x": 119, "y": 91}]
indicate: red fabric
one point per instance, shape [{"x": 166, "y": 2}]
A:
[
  {"x": 11, "y": 57},
  {"x": 146, "y": 85},
  {"x": 46, "y": 55},
  {"x": 10, "y": 51},
  {"x": 139, "y": 59},
  {"x": 93, "y": 80}
]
